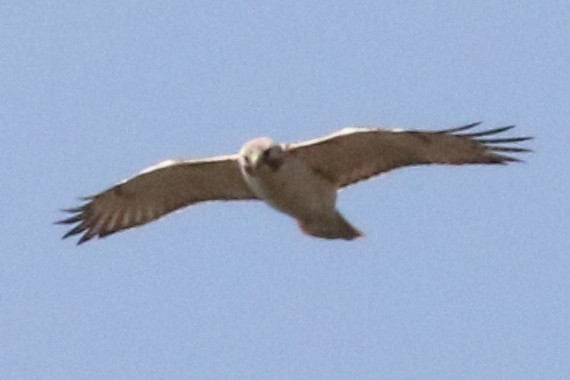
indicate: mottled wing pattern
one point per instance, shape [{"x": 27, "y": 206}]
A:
[
  {"x": 155, "y": 192},
  {"x": 354, "y": 154}
]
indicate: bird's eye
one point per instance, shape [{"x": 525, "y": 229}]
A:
[{"x": 266, "y": 153}]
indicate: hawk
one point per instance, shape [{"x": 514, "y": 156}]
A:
[{"x": 299, "y": 179}]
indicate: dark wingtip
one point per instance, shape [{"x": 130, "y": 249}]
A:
[
  {"x": 71, "y": 220},
  {"x": 79, "y": 215},
  {"x": 490, "y": 143},
  {"x": 74, "y": 231},
  {"x": 507, "y": 159},
  {"x": 505, "y": 140},
  {"x": 461, "y": 128},
  {"x": 86, "y": 237},
  {"x": 512, "y": 149},
  {"x": 73, "y": 210},
  {"x": 488, "y": 132}
]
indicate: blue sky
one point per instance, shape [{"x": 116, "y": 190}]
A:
[{"x": 463, "y": 272}]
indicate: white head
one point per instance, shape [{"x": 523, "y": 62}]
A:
[{"x": 261, "y": 154}]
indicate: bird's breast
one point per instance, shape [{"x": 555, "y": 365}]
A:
[{"x": 294, "y": 188}]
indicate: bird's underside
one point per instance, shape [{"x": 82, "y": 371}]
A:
[{"x": 298, "y": 179}]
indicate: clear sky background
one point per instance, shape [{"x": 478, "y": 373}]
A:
[{"x": 463, "y": 272}]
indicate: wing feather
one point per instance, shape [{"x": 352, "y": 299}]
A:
[
  {"x": 354, "y": 154},
  {"x": 157, "y": 191}
]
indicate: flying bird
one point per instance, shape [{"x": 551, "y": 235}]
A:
[{"x": 299, "y": 179}]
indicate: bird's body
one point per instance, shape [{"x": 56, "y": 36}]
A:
[
  {"x": 293, "y": 189},
  {"x": 297, "y": 190},
  {"x": 299, "y": 179}
]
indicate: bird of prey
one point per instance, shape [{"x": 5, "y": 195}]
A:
[{"x": 299, "y": 179}]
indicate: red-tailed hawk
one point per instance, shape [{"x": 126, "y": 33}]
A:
[{"x": 298, "y": 179}]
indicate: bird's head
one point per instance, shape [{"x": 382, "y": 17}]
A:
[{"x": 261, "y": 154}]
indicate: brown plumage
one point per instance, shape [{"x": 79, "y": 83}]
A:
[{"x": 300, "y": 179}]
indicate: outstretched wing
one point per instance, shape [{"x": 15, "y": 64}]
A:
[
  {"x": 156, "y": 191},
  {"x": 354, "y": 154}
]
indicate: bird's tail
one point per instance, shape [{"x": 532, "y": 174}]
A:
[{"x": 332, "y": 226}]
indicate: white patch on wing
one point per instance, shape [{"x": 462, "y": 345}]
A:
[
  {"x": 160, "y": 165},
  {"x": 351, "y": 130}
]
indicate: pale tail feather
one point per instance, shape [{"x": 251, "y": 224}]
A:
[{"x": 332, "y": 226}]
